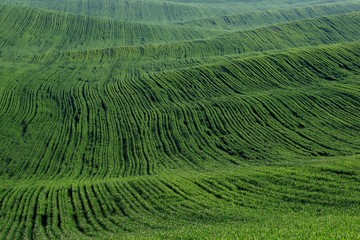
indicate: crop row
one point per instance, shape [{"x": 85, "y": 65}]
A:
[
  {"x": 239, "y": 134},
  {"x": 26, "y": 33},
  {"x": 157, "y": 11},
  {"x": 34, "y": 30},
  {"x": 139, "y": 11},
  {"x": 122, "y": 207},
  {"x": 270, "y": 17},
  {"x": 60, "y": 124},
  {"x": 161, "y": 57}
]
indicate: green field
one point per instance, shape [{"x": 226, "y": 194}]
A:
[{"x": 152, "y": 119}]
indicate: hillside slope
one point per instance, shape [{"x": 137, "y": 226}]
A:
[
  {"x": 270, "y": 17},
  {"x": 159, "y": 10},
  {"x": 29, "y": 30},
  {"x": 190, "y": 118},
  {"x": 146, "y": 129},
  {"x": 135, "y": 60}
]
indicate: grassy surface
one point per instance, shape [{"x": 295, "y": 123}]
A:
[
  {"x": 162, "y": 11},
  {"x": 310, "y": 32},
  {"x": 270, "y": 17},
  {"x": 190, "y": 118},
  {"x": 308, "y": 199},
  {"x": 243, "y": 126},
  {"x": 29, "y": 30}
]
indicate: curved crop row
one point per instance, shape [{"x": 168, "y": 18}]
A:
[
  {"x": 158, "y": 58},
  {"x": 34, "y": 31},
  {"x": 119, "y": 208},
  {"x": 108, "y": 133},
  {"x": 270, "y": 17},
  {"x": 158, "y": 10},
  {"x": 126, "y": 10},
  {"x": 66, "y": 125}
]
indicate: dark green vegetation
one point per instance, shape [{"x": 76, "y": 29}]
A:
[
  {"x": 163, "y": 11},
  {"x": 179, "y": 120}
]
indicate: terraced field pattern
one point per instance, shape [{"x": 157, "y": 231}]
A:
[{"x": 178, "y": 119}]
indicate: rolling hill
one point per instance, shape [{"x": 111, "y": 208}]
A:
[
  {"x": 179, "y": 120},
  {"x": 270, "y": 17},
  {"x": 163, "y": 11}
]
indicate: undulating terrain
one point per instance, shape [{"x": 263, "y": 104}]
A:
[{"x": 178, "y": 119}]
